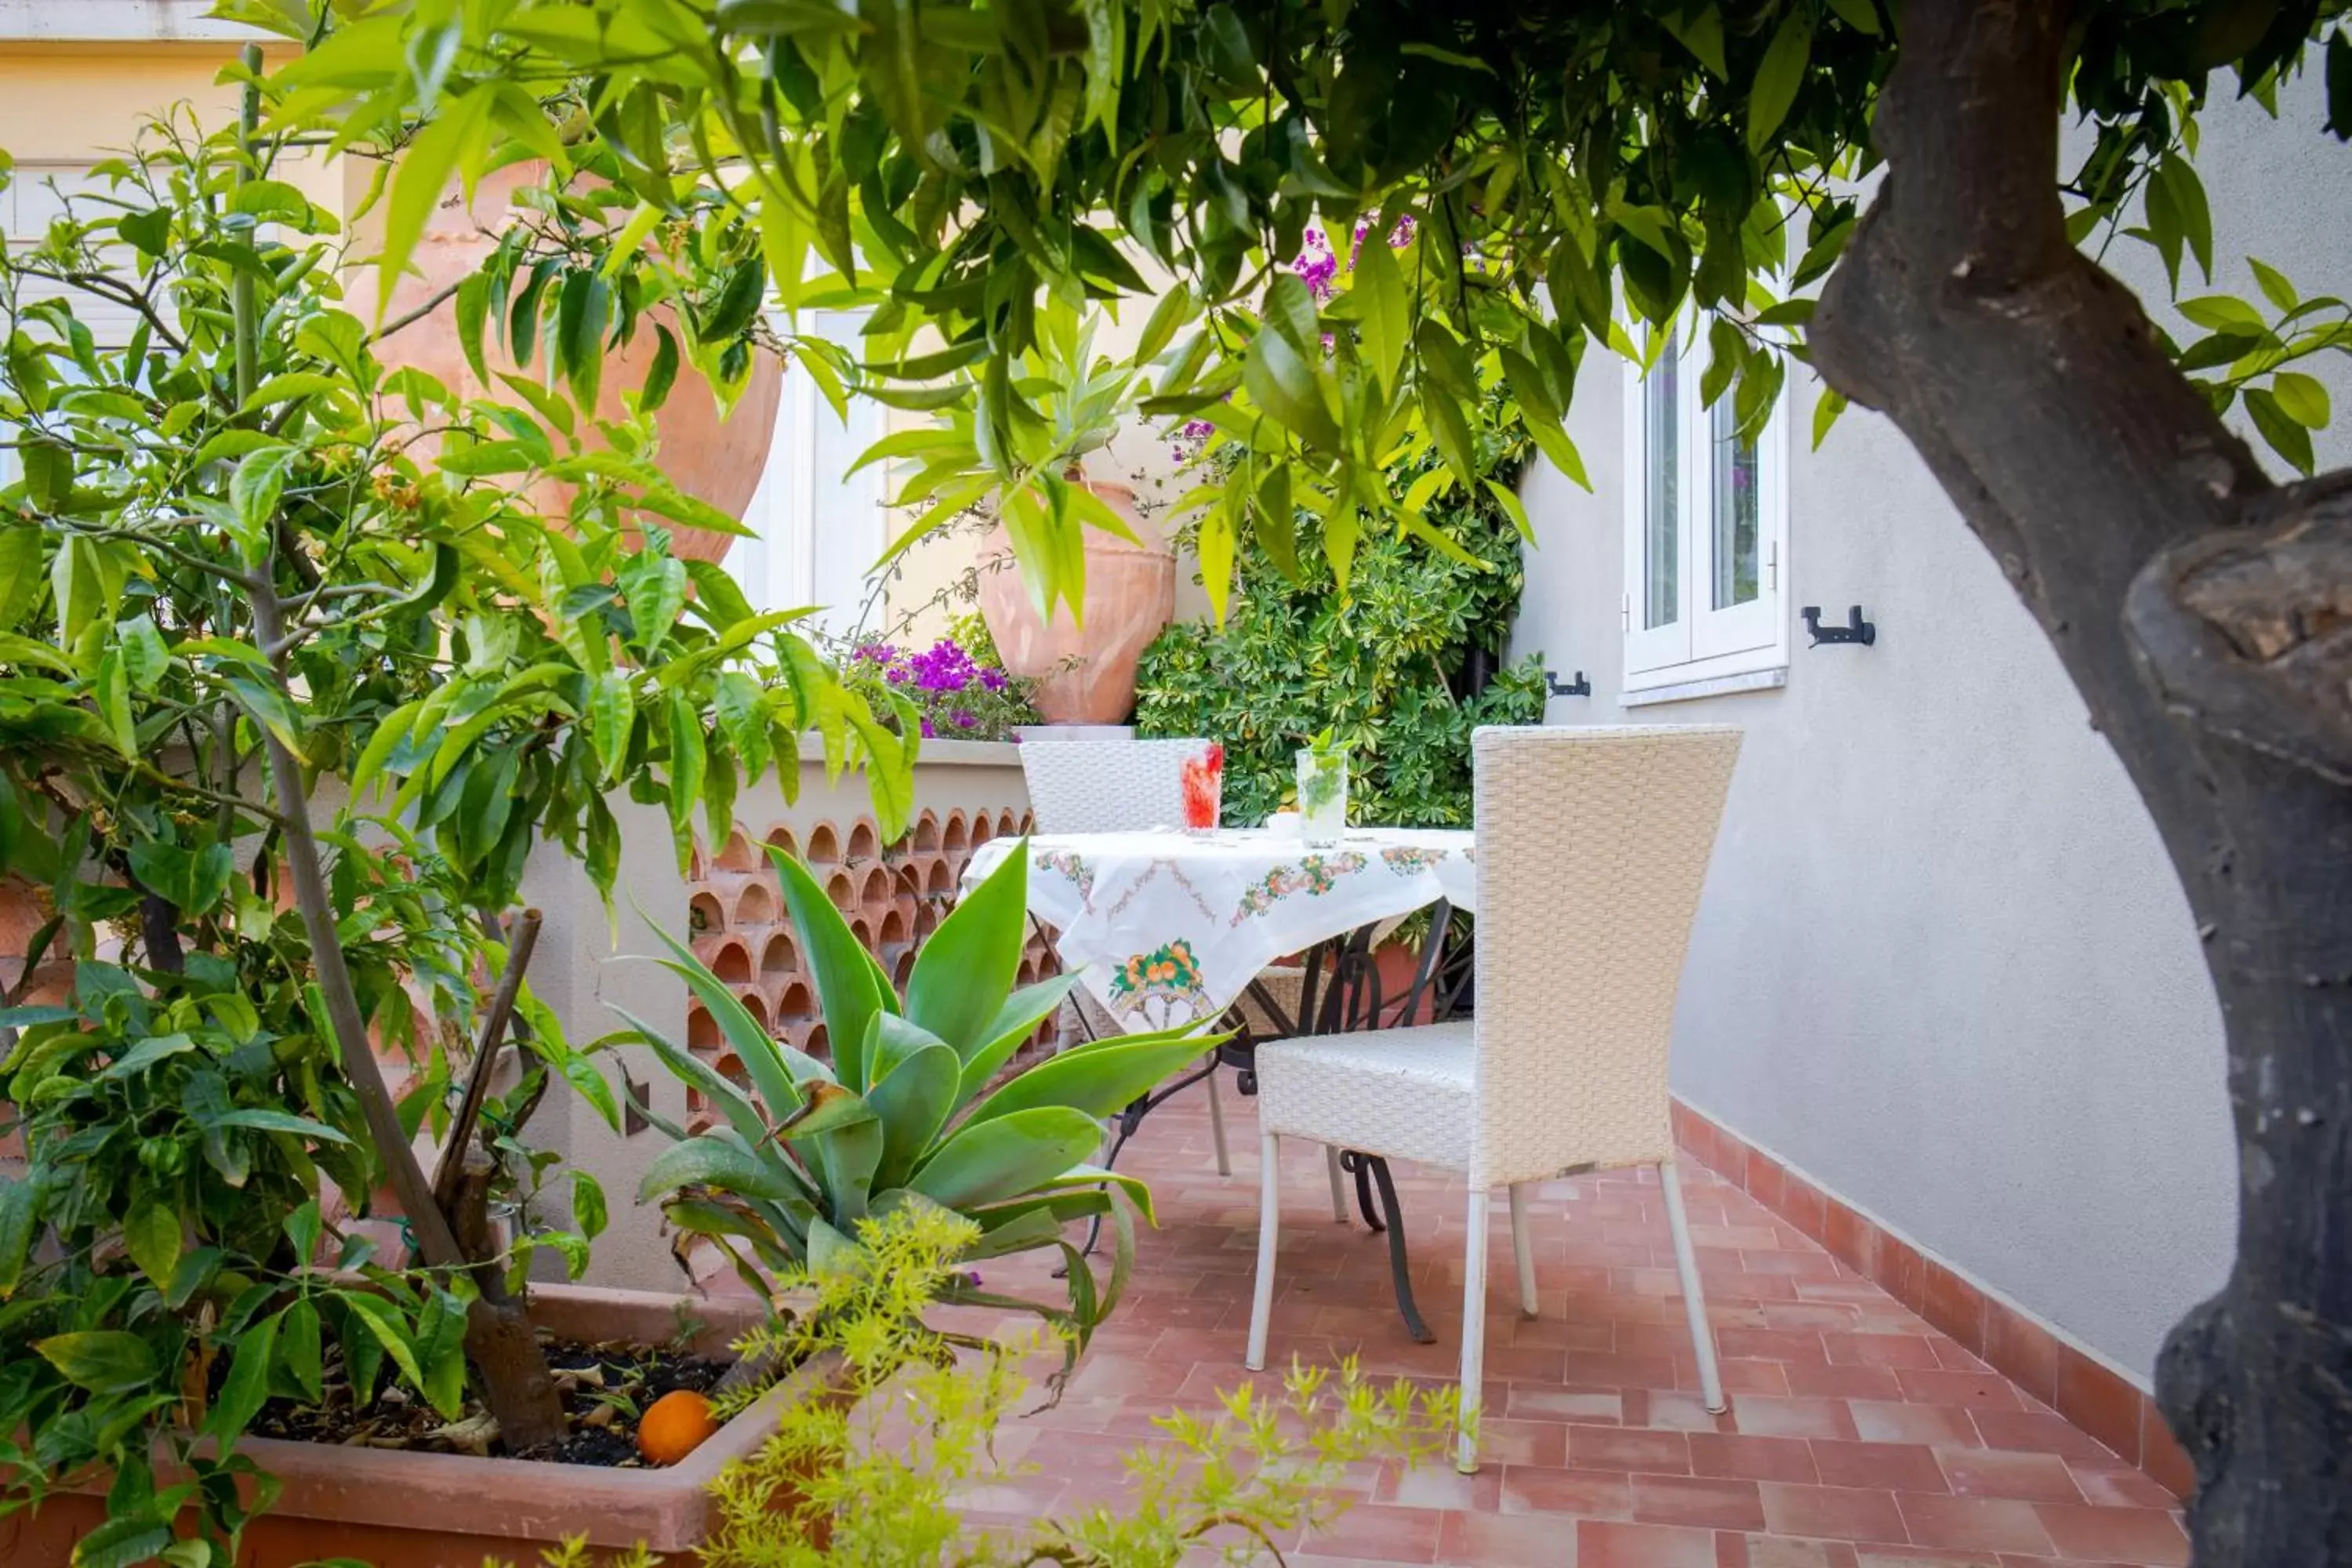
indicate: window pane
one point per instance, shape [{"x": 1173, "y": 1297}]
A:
[
  {"x": 1661, "y": 603},
  {"x": 1736, "y": 481}
]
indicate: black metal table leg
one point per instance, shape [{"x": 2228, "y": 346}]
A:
[
  {"x": 1399, "y": 1274},
  {"x": 1361, "y": 1167}
]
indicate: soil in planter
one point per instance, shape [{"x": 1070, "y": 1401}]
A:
[{"x": 605, "y": 1387}]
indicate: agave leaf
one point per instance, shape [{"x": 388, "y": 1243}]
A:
[
  {"x": 914, "y": 1095},
  {"x": 723, "y": 1164},
  {"x": 847, "y": 1157},
  {"x": 751, "y": 1042},
  {"x": 967, "y": 966},
  {"x": 1006, "y": 1157},
  {"x": 732, "y": 1102},
  {"x": 1022, "y": 1011},
  {"x": 711, "y": 1217},
  {"x": 1096, "y": 1176},
  {"x": 831, "y": 1254},
  {"x": 829, "y": 1105},
  {"x": 1025, "y": 1233},
  {"x": 1098, "y": 1082},
  {"x": 848, "y": 986}
]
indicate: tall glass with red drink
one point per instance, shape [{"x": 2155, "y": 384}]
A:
[{"x": 1204, "y": 788}]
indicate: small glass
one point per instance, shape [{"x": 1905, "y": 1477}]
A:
[
  {"x": 1204, "y": 789},
  {"x": 1323, "y": 796}
]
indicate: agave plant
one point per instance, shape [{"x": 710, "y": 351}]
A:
[{"x": 903, "y": 1115}]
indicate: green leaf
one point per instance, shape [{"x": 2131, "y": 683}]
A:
[
  {"x": 711, "y": 1161},
  {"x": 2224, "y": 313},
  {"x": 123, "y": 1542},
  {"x": 2184, "y": 197},
  {"x": 1826, "y": 409},
  {"x": 2274, "y": 285},
  {"x": 454, "y": 139},
  {"x": 473, "y": 307},
  {"x": 20, "y": 1218},
  {"x": 1442, "y": 411},
  {"x": 839, "y": 965},
  {"x": 662, "y": 373},
  {"x": 105, "y": 1361},
  {"x": 588, "y": 1211},
  {"x": 1779, "y": 76},
  {"x": 2288, "y": 438},
  {"x": 1513, "y": 507},
  {"x": 150, "y": 1234},
  {"x": 1385, "y": 318},
  {"x": 253, "y": 490},
  {"x": 1007, "y": 1156},
  {"x": 2301, "y": 398},
  {"x": 20, "y": 573},
  {"x": 302, "y": 1228},
  {"x": 145, "y": 657},
  {"x": 1014, "y": 1022},
  {"x": 382, "y": 1322},
  {"x": 248, "y": 1388},
  {"x": 299, "y": 1348},
  {"x": 1281, "y": 382},
  {"x": 288, "y": 388},
  {"x": 916, "y": 1076},
  {"x": 261, "y": 1121},
  {"x": 964, "y": 972},
  {"x": 1099, "y": 1080},
  {"x": 2339, "y": 85},
  {"x": 582, "y": 312},
  {"x": 1862, "y": 15},
  {"x": 112, "y": 688},
  {"x": 1702, "y": 34}
]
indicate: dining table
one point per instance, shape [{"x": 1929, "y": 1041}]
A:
[{"x": 1170, "y": 928}]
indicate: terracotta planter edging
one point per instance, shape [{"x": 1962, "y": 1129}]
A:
[
  {"x": 2086, "y": 1392},
  {"x": 396, "y": 1508}
]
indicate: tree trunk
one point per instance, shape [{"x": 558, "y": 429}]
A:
[{"x": 2206, "y": 618}]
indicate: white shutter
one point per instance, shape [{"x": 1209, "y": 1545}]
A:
[{"x": 34, "y": 199}]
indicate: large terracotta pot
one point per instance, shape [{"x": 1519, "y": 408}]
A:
[
  {"x": 713, "y": 459},
  {"x": 395, "y": 1509},
  {"x": 1085, "y": 673}
]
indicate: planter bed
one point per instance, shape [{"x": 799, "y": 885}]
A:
[{"x": 398, "y": 1509}]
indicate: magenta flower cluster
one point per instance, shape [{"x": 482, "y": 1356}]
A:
[{"x": 946, "y": 683}]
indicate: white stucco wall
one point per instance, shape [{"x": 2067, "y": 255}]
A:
[{"x": 1942, "y": 965}]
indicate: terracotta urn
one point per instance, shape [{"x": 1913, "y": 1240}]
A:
[
  {"x": 715, "y": 459},
  {"x": 1084, "y": 671},
  {"x": 393, "y": 1509}
]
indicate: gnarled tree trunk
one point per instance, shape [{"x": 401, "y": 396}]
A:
[{"x": 2206, "y": 617}]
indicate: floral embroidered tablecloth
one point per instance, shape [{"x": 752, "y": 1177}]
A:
[{"x": 1169, "y": 928}]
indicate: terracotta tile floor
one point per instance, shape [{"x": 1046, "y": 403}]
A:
[{"x": 1858, "y": 1437}]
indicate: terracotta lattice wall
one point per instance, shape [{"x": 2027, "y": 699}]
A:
[{"x": 893, "y": 896}]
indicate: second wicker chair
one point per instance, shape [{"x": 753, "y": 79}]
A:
[{"x": 1593, "y": 846}]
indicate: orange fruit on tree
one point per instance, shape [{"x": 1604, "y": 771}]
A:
[{"x": 674, "y": 1426}]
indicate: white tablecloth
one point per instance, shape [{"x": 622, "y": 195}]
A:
[{"x": 1169, "y": 928}]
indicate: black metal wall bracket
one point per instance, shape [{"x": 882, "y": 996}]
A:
[
  {"x": 1580, "y": 687},
  {"x": 1855, "y": 629}
]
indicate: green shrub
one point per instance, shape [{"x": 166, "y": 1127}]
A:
[{"x": 1389, "y": 665}]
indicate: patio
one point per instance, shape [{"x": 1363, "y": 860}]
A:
[{"x": 1859, "y": 1437}]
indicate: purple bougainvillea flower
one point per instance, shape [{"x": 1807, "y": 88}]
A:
[
  {"x": 962, "y": 718},
  {"x": 928, "y": 731},
  {"x": 994, "y": 679}
]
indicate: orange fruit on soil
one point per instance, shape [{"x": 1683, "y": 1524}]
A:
[{"x": 674, "y": 1426}]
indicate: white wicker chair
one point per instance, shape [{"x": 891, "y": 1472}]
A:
[{"x": 1593, "y": 846}]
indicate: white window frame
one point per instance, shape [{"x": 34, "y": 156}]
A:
[
  {"x": 1702, "y": 644},
  {"x": 817, "y": 534}
]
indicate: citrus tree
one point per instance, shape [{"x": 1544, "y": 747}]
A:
[
  {"x": 1578, "y": 174},
  {"x": 293, "y": 681}
]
